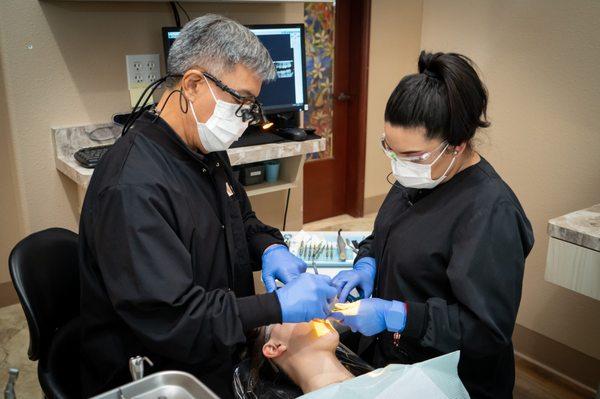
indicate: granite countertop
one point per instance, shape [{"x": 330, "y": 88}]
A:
[
  {"x": 265, "y": 152},
  {"x": 580, "y": 227},
  {"x": 68, "y": 140}
]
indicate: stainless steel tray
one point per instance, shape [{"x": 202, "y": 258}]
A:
[{"x": 163, "y": 385}]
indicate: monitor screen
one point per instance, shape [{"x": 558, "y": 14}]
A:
[
  {"x": 285, "y": 44},
  {"x": 169, "y": 35}
]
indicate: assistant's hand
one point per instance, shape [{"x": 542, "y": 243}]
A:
[
  {"x": 371, "y": 316},
  {"x": 279, "y": 263},
  {"x": 362, "y": 276},
  {"x": 305, "y": 298}
]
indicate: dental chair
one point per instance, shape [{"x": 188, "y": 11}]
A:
[{"x": 45, "y": 274}]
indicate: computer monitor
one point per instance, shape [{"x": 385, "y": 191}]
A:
[
  {"x": 285, "y": 43},
  {"x": 169, "y": 35}
]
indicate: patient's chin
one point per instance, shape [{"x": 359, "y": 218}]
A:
[
  {"x": 320, "y": 328},
  {"x": 317, "y": 335},
  {"x": 324, "y": 334}
]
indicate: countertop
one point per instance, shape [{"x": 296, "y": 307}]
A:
[
  {"x": 580, "y": 228},
  {"x": 68, "y": 140}
]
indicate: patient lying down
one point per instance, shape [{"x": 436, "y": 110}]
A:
[{"x": 305, "y": 352}]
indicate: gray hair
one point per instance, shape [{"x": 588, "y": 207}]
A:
[{"x": 218, "y": 43}]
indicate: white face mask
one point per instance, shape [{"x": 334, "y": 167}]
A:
[
  {"x": 222, "y": 128},
  {"x": 416, "y": 175}
]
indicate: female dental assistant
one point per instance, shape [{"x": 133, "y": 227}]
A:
[{"x": 445, "y": 260}]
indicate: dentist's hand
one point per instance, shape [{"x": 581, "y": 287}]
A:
[
  {"x": 371, "y": 316},
  {"x": 278, "y": 263},
  {"x": 305, "y": 298},
  {"x": 362, "y": 277}
]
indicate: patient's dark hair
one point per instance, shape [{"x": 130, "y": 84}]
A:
[
  {"x": 255, "y": 340},
  {"x": 263, "y": 381},
  {"x": 446, "y": 97}
]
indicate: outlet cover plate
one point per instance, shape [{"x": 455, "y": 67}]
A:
[{"x": 142, "y": 70}]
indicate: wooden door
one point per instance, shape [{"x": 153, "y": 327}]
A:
[{"x": 334, "y": 179}]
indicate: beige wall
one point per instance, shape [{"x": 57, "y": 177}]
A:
[
  {"x": 10, "y": 212},
  {"x": 75, "y": 74},
  {"x": 540, "y": 61},
  {"x": 394, "y": 49}
]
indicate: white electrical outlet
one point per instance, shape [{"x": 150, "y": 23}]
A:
[{"x": 142, "y": 70}]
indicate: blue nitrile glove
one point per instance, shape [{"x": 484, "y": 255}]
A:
[
  {"x": 279, "y": 263},
  {"x": 305, "y": 298},
  {"x": 372, "y": 315},
  {"x": 361, "y": 276}
]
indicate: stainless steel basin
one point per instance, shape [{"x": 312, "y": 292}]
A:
[{"x": 163, "y": 385}]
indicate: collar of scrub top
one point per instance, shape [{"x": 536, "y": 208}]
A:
[
  {"x": 415, "y": 158},
  {"x": 250, "y": 109},
  {"x": 168, "y": 139}
]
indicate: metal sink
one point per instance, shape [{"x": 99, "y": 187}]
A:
[{"x": 163, "y": 385}]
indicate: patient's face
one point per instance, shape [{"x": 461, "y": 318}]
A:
[{"x": 289, "y": 339}]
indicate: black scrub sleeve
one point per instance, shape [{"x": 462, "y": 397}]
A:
[
  {"x": 365, "y": 248},
  {"x": 259, "y": 235},
  {"x": 486, "y": 276},
  {"x": 259, "y": 310},
  {"x": 148, "y": 275}
]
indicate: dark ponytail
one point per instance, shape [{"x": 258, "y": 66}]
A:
[{"x": 446, "y": 97}]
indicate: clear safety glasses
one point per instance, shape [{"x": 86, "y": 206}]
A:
[
  {"x": 420, "y": 158},
  {"x": 267, "y": 338}
]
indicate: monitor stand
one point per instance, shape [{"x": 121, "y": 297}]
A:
[{"x": 285, "y": 119}]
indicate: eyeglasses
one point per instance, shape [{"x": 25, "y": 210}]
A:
[
  {"x": 421, "y": 158},
  {"x": 250, "y": 109},
  {"x": 268, "y": 332},
  {"x": 267, "y": 338}
]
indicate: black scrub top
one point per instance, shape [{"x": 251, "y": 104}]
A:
[
  {"x": 166, "y": 260},
  {"x": 456, "y": 255}
]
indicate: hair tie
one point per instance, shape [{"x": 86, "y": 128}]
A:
[{"x": 432, "y": 74}]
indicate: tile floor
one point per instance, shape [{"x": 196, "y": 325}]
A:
[{"x": 14, "y": 341}]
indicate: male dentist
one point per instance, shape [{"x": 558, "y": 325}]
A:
[{"x": 168, "y": 239}]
